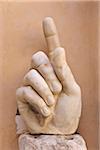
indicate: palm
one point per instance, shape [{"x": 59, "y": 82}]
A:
[
  {"x": 50, "y": 100},
  {"x": 67, "y": 113}
]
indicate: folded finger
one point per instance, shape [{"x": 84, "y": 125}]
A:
[
  {"x": 28, "y": 115},
  {"x": 41, "y": 62},
  {"x": 28, "y": 95},
  {"x": 35, "y": 80}
]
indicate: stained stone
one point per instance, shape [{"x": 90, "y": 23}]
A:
[{"x": 51, "y": 142}]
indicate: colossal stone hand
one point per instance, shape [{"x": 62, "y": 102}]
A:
[{"x": 50, "y": 99}]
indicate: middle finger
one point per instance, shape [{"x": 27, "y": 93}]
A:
[{"x": 41, "y": 62}]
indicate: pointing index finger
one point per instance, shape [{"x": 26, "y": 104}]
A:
[{"x": 50, "y": 33}]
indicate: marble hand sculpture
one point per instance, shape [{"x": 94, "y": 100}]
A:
[{"x": 50, "y": 99}]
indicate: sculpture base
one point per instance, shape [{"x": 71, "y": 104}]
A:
[{"x": 51, "y": 142}]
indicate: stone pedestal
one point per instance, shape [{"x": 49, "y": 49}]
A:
[
  {"x": 47, "y": 142},
  {"x": 51, "y": 142}
]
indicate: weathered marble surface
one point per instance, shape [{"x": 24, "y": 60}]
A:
[
  {"x": 51, "y": 142},
  {"x": 49, "y": 99}
]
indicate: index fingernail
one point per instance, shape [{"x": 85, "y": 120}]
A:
[{"x": 49, "y": 27}]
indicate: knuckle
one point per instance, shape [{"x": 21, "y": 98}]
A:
[
  {"x": 58, "y": 54},
  {"x": 29, "y": 75},
  {"x": 26, "y": 91},
  {"x": 19, "y": 92},
  {"x": 56, "y": 87},
  {"x": 45, "y": 111},
  {"x": 50, "y": 100},
  {"x": 59, "y": 51},
  {"x": 38, "y": 59},
  {"x": 37, "y": 54}
]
